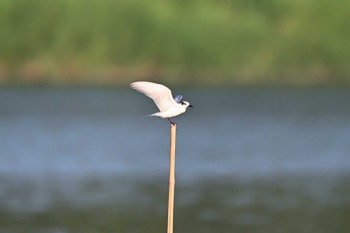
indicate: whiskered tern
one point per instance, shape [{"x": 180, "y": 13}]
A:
[{"x": 163, "y": 98}]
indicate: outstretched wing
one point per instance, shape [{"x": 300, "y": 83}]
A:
[
  {"x": 160, "y": 94},
  {"x": 178, "y": 98}
]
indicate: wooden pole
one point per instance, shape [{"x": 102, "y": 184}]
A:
[{"x": 171, "y": 178}]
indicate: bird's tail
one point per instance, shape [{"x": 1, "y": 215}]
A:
[{"x": 154, "y": 114}]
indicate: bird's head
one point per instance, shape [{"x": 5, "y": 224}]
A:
[{"x": 186, "y": 104}]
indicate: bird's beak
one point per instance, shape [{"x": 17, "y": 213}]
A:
[{"x": 190, "y": 106}]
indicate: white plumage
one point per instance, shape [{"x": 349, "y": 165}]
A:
[{"x": 163, "y": 98}]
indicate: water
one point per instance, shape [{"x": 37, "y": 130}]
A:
[{"x": 248, "y": 160}]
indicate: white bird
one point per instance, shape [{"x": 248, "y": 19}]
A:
[{"x": 162, "y": 97}]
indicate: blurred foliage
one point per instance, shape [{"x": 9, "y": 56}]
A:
[{"x": 216, "y": 42}]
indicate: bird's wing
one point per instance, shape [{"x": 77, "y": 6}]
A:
[
  {"x": 178, "y": 98},
  {"x": 160, "y": 94}
]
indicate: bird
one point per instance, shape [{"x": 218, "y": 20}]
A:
[{"x": 161, "y": 95}]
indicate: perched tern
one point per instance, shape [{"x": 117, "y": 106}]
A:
[{"x": 162, "y": 97}]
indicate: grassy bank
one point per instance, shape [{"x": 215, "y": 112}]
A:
[{"x": 240, "y": 42}]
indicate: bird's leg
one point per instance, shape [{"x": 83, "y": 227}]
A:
[{"x": 173, "y": 123}]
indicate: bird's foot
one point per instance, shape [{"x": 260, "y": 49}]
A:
[{"x": 173, "y": 123}]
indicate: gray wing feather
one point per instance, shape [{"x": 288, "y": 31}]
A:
[{"x": 178, "y": 98}]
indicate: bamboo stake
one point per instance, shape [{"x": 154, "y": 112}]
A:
[{"x": 171, "y": 178}]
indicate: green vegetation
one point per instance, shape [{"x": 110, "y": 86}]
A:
[{"x": 220, "y": 42}]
